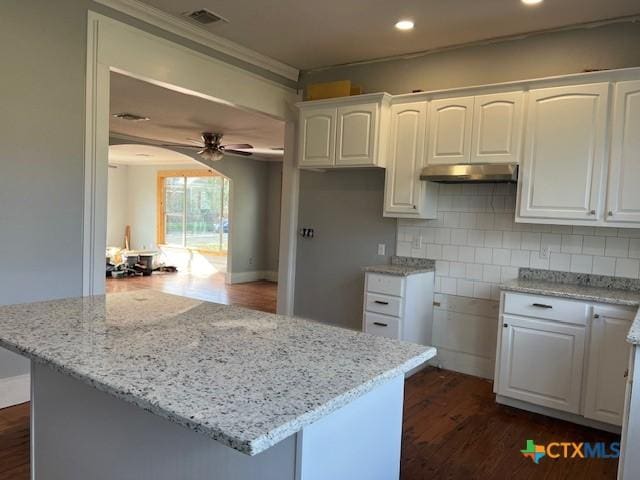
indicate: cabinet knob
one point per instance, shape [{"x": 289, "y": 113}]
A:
[
  {"x": 505, "y": 325},
  {"x": 595, "y": 315},
  {"x": 415, "y": 208},
  {"x": 592, "y": 212},
  {"x": 610, "y": 213}
]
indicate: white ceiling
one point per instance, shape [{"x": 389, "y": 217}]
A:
[
  {"x": 307, "y": 34},
  {"x": 177, "y": 118},
  {"x": 135, "y": 154}
]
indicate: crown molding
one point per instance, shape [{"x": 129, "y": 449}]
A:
[{"x": 185, "y": 29}]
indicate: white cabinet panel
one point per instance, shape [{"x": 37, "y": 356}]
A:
[
  {"x": 623, "y": 199},
  {"x": 542, "y": 362},
  {"x": 450, "y": 122},
  {"x": 497, "y": 128},
  {"x": 608, "y": 360},
  {"x": 317, "y": 137},
  {"x": 356, "y": 134},
  {"x": 562, "y": 172},
  {"x": 405, "y": 194}
]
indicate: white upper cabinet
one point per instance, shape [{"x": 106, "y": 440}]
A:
[
  {"x": 497, "y": 128},
  {"x": 405, "y": 194},
  {"x": 343, "y": 132},
  {"x": 450, "y": 121},
  {"x": 562, "y": 172},
  {"x": 355, "y": 138},
  {"x": 317, "y": 137},
  {"x": 623, "y": 197},
  {"x": 608, "y": 361}
]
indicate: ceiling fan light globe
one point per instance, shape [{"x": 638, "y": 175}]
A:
[{"x": 211, "y": 155}]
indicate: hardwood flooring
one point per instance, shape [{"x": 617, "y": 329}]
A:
[
  {"x": 260, "y": 295},
  {"x": 453, "y": 429}
]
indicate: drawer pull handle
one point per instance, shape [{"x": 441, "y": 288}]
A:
[
  {"x": 541, "y": 305},
  {"x": 380, "y": 324},
  {"x": 380, "y": 302}
]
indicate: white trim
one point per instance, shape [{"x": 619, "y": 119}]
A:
[
  {"x": 116, "y": 46},
  {"x": 185, "y": 29},
  {"x": 288, "y": 221},
  {"x": 254, "y": 276},
  {"x": 15, "y": 390}
]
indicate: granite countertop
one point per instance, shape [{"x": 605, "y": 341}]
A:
[
  {"x": 399, "y": 270},
  {"x": 403, "y": 266},
  {"x": 245, "y": 378},
  {"x": 582, "y": 292}
]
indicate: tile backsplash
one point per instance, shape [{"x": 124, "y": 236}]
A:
[{"x": 477, "y": 245}]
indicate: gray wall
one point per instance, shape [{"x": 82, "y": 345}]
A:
[
  {"x": 273, "y": 219},
  {"x": 572, "y": 51},
  {"x": 43, "y": 52},
  {"x": 345, "y": 209}
]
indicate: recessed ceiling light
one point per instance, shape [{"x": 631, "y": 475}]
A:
[
  {"x": 404, "y": 25},
  {"x": 531, "y": 2}
]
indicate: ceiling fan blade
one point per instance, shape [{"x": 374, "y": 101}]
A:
[
  {"x": 236, "y": 146},
  {"x": 179, "y": 145},
  {"x": 237, "y": 152}
]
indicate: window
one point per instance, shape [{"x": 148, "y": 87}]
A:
[{"x": 193, "y": 210}]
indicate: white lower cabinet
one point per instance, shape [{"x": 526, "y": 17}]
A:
[
  {"x": 566, "y": 355},
  {"x": 399, "y": 307},
  {"x": 608, "y": 364},
  {"x": 542, "y": 362}
]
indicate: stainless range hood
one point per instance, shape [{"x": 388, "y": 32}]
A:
[{"x": 471, "y": 173}]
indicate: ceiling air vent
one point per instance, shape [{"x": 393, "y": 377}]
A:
[
  {"x": 131, "y": 117},
  {"x": 205, "y": 17}
]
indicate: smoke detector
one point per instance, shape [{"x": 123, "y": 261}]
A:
[{"x": 205, "y": 17}]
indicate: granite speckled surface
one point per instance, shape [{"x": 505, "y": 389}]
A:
[
  {"x": 245, "y": 378},
  {"x": 403, "y": 266},
  {"x": 588, "y": 287}
]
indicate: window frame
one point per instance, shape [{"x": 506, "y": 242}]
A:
[{"x": 160, "y": 213}]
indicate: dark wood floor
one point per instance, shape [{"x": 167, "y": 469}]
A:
[
  {"x": 453, "y": 429},
  {"x": 255, "y": 295}
]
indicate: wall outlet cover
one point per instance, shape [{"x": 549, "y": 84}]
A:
[{"x": 382, "y": 248}]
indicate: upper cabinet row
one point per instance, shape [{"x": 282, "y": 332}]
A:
[{"x": 578, "y": 147}]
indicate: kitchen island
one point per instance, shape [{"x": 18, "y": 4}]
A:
[{"x": 146, "y": 385}]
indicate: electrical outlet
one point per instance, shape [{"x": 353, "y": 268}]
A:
[
  {"x": 417, "y": 242},
  {"x": 381, "y": 248},
  {"x": 545, "y": 252}
]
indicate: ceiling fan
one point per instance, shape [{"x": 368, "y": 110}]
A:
[{"x": 211, "y": 148}]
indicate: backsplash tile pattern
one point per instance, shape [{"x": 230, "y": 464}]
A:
[{"x": 477, "y": 245}]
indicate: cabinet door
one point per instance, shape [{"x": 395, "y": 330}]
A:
[
  {"x": 608, "y": 360},
  {"x": 450, "y": 123},
  {"x": 406, "y": 153},
  {"x": 541, "y": 362},
  {"x": 317, "y": 137},
  {"x": 562, "y": 172},
  {"x": 497, "y": 128},
  {"x": 623, "y": 199},
  {"x": 356, "y": 135}
]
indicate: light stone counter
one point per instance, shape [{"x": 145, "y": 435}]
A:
[{"x": 245, "y": 378}]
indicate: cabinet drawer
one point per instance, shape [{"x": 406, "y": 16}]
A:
[
  {"x": 382, "y": 325},
  {"x": 551, "y": 308},
  {"x": 386, "y": 284},
  {"x": 374, "y": 302}
]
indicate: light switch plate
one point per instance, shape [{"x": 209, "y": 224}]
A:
[
  {"x": 417, "y": 242},
  {"x": 382, "y": 248}
]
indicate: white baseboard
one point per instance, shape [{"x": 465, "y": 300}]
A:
[
  {"x": 15, "y": 390},
  {"x": 244, "y": 277},
  {"x": 463, "y": 363}
]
